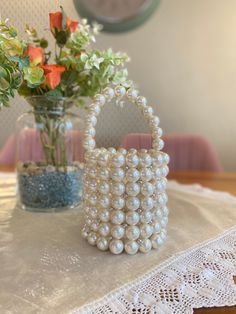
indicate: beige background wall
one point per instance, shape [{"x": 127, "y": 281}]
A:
[{"x": 183, "y": 60}]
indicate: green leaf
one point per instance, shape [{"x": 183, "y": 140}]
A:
[
  {"x": 61, "y": 38},
  {"x": 54, "y": 93},
  {"x": 43, "y": 43},
  {"x": 23, "y": 62},
  {"x": 64, "y": 18},
  {"x": 4, "y": 84}
]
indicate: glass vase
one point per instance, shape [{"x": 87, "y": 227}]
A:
[{"x": 49, "y": 155}]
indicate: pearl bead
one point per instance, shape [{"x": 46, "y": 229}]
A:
[
  {"x": 102, "y": 244},
  {"x": 112, "y": 150},
  {"x": 131, "y": 247},
  {"x": 132, "y": 189},
  {"x": 92, "y": 172},
  {"x": 104, "y": 201},
  {"x": 99, "y": 99},
  {"x": 160, "y": 185},
  {"x": 146, "y": 217},
  {"x": 165, "y": 211},
  {"x": 94, "y": 226},
  {"x": 163, "y": 234},
  {"x": 89, "y": 143},
  {"x": 158, "y": 132},
  {"x": 90, "y": 157},
  {"x": 85, "y": 232},
  {"x": 104, "y": 229},
  {"x": 156, "y": 241},
  {"x": 117, "y": 174},
  {"x": 104, "y": 215},
  {"x": 88, "y": 221},
  {"x": 91, "y": 119},
  {"x": 92, "y": 199},
  {"x": 145, "y": 160},
  {"x": 103, "y": 187},
  {"x": 158, "y": 213},
  {"x": 120, "y": 91},
  {"x": 132, "y": 218},
  {"x": 132, "y": 203},
  {"x": 118, "y": 160},
  {"x": 103, "y": 173},
  {"x": 92, "y": 238},
  {"x": 117, "y": 217},
  {"x": 164, "y": 221},
  {"x": 157, "y": 159},
  {"x": 118, "y": 232},
  {"x": 118, "y": 202},
  {"x": 145, "y": 245},
  {"x": 147, "y": 203},
  {"x": 90, "y": 132},
  {"x": 146, "y": 174},
  {"x": 164, "y": 171},
  {"x": 132, "y": 160},
  {"x": 103, "y": 159},
  {"x": 146, "y": 230},
  {"x": 94, "y": 109},
  {"x": 123, "y": 151},
  {"x": 147, "y": 189},
  {"x": 141, "y": 101},
  {"x": 156, "y": 227},
  {"x": 162, "y": 199},
  {"x": 93, "y": 212},
  {"x": 154, "y": 121},
  {"x": 132, "y": 94},
  {"x": 92, "y": 184},
  {"x": 132, "y": 232},
  {"x": 132, "y": 175},
  {"x": 116, "y": 246},
  {"x": 117, "y": 188},
  {"x": 133, "y": 151},
  {"x": 109, "y": 93},
  {"x": 157, "y": 172},
  {"x": 166, "y": 158},
  {"x": 148, "y": 111},
  {"x": 158, "y": 144}
]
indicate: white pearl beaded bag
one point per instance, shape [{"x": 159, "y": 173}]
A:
[{"x": 124, "y": 190}]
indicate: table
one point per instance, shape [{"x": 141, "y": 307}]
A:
[
  {"x": 217, "y": 181},
  {"x": 223, "y": 181}
]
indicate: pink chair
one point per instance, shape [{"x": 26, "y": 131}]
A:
[
  {"x": 31, "y": 149},
  {"x": 187, "y": 152}
]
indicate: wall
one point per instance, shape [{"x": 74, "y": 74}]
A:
[{"x": 183, "y": 60}]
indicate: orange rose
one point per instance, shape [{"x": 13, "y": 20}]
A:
[
  {"x": 72, "y": 25},
  {"x": 36, "y": 55},
  {"x": 52, "y": 74},
  {"x": 56, "y": 22}
]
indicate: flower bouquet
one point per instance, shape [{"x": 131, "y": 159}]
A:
[{"x": 52, "y": 81}]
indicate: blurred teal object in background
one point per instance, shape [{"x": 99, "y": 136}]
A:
[{"x": 117, "y": 16}]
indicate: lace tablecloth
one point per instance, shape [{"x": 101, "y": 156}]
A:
[{"x": 46, "y": 267}]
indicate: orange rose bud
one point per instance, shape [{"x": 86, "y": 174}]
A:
[
  {"x": 36, "y": 55},
  {"x": 55, "y": 21},
  {"x": 72, "y": 25},
  {"x": 52, "y": 74}
]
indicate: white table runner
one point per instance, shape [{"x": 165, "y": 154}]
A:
[{"x": 47, "y": 268}]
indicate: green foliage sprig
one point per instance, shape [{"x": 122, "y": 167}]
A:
[{"x": 75, "y": 69}]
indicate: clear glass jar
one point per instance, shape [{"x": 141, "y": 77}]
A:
[{"x": 49, "y": 155}]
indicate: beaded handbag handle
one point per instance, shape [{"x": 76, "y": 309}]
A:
[{"x": 132, "y": 95}]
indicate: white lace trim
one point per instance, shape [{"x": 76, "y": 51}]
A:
[{"x": 199, "y": 277}]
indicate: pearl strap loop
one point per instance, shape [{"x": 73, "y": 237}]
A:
[{"x": 132, "y": 95}]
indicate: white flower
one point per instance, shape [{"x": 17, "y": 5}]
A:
[
  {"x": 96, "y": 28},
  {"x": 93, "y": 61}
]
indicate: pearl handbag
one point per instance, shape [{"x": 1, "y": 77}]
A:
[{"x": 124, "y": 190}]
